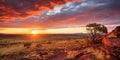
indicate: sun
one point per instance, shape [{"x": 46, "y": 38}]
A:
[{"x": 34, "y": 32}]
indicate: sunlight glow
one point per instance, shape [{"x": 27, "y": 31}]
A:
[{"x": 35, "y": 32}]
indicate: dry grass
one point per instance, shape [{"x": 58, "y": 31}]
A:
[{"x": 52, "y": 47}]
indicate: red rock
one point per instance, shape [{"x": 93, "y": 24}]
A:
[{"x": 112, "y": 41}]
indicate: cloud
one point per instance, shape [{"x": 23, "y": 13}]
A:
[
  {"x": 72, "y": 14},
  {"x": 87, "y": 11},
  {"x": 14, "y": 9}
]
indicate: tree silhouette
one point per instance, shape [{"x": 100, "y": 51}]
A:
[{"x": 94, "y": 29}]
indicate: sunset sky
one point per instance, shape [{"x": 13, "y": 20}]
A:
[{"x": 56, "y": 16}]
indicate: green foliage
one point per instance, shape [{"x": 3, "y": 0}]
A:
[
  {"x": 98, "y": 28},
  {"x": 95, "y": 29}
]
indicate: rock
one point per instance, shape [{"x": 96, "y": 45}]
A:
[
  {"x": 115, "y": 33},
  {"x": 111, "y": 42},
  {"x": 118, "y": 31}
]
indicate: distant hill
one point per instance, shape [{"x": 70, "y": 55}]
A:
[{"x": 80, "y": 35}]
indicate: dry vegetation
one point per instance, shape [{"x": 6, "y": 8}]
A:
[
  {"x": 40, "y": 49},
  {"x": 59, "y": 48}
]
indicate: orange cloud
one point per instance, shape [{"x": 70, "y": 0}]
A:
[
  {"x": 73, "y": 14},
  {"x": 12, "y": 9}
]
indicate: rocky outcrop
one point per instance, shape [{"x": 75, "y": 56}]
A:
[
  {"x": 111, "y": 42},
  {"x": 113, "y": 38},
  {"x": 115, "y": 33}
]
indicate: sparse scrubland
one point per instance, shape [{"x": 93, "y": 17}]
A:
[
  {"x": 62, "y": 48},
  {"x": 40, "y": 49}
]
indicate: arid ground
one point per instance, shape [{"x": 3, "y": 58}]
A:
[{"x": 55, "y": 47}]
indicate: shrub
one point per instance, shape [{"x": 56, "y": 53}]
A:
[
  {"x": 76, "y": 41},
  {"x": 38, "y": 45},
  {"x": 27, "y": 44},
  {"x": 49, "y": 42}
]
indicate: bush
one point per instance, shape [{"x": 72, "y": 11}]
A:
[
  {"x": 38, "y": 45},
  {"x": 27, "y": 44},
  {"x": 76, "y": 41},
  {"x": 49, "y": 42}
]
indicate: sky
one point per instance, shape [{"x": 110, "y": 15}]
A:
[{"x": 56, "y": 16}]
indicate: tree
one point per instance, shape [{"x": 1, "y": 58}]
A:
[{"x": 94, "y": 29}]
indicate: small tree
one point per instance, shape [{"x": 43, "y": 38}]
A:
[{"x": 94, "y": 29}]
